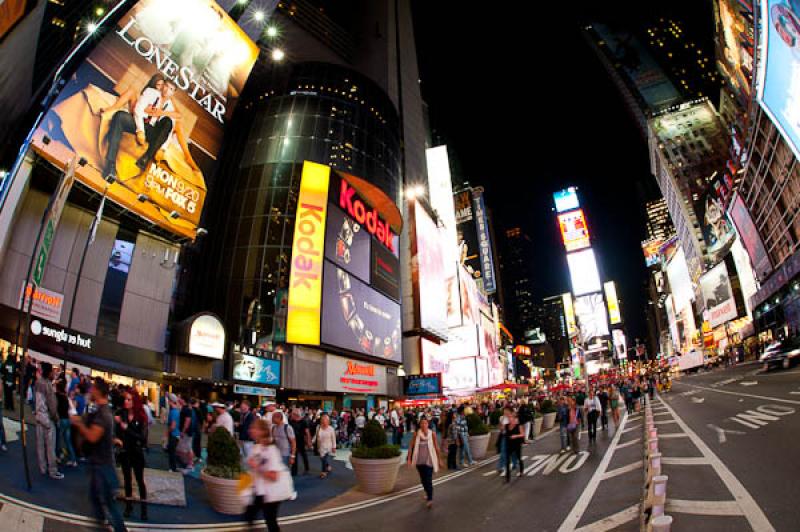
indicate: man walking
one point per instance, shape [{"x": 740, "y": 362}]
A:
[
  {"x": 396, "y": 420},
  {"x": 284, "y": 438},
  {"x": 97, "y": 434},
  {"x": 603, "y": 397},
  {"x": 246, "y": 418},
  {"x": 46, "y": 414},
  {"x": 302, "y": 430}
]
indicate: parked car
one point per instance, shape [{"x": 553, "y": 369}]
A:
[{"x": 782, "y": 353}]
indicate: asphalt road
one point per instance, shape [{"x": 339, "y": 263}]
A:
[{"x": 748, "y": 420}]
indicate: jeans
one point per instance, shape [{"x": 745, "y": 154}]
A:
[
  {"x": 2, "y": 428},
  {"x": 301, "y": 453},
  {"x": 502, "y": 461},
  {"x": 270, "y": 510},
  {"x": 514, "y": 455},
  {"x": 197, "y": 444},
  {"x": 592, "y": 418},
  {"x": 65, "y": 431},
  {"x": 103, "y": 485},
  {"x": 573, "y": 437},
  {"x": 426, "y": 477},
  {"x": 397, "y": 436},
  {"x": 465, "y": 451},
  {"x": 171, "y": 451},
  {"x": 325, "y": 461},
  {"x": 564, "y": 437},
  {"x": 46, "y": 447},
  {"x": 452, "y": 456}
]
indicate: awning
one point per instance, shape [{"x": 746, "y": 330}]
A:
[{"x": 501, "y": 387}]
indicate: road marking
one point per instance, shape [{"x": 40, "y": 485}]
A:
[
  {"x": 612, "y": 521},
  {"x": 795, "y": 393},
  {"x": 628, "y": 443},
  {"x": 750, "y": 509},
  {"x": 749, "y": 383},
  {"x": 16, "y": 518},
  {"x": 574, "y": 517},
  {"x": 674, "y": 435},
  {"x": 622, "y": 470},
  {"x": 661, "y": 414},
  {"x": 631, "y": 428},
  {"x": 740, "y": 394},
  {"x": 762, "y": 415},
  {"x": 721, "y": 432},
  {"x": 698, "y": 400},
  {"x": 567, "y": 467},
  {"x": 665, "y": 422},
  {"x": 681, "y": 460},
  {"x": 703, "y": 507}
]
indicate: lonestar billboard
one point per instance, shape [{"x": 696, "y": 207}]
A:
[{"x": 150, "y": 105}]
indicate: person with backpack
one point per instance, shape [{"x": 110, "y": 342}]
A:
[{"x": 284, "y": 437}]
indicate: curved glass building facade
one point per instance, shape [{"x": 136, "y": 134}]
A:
[{"x": 321, "y": 113}]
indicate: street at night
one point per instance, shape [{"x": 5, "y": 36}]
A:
[{"x": 399, "y": 265}]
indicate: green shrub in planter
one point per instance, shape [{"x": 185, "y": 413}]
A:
[
  {"x": 476, "y": 426},
  {"x": 536, "y": 414},
  {"x": 494, "y": 417},
  {"x": 373, "y": 443},
  {"x": 548, "y": 407},
  {"x": 224, "y": 460}
]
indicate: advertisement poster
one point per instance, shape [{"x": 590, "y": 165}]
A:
[
  {"x": 569, "y": 314},
  {"x": 592, "y": 319},
  {"x": 744, "y": 271},
  {"x": 779, "y": 72},
  {"x": 718, "y": 295},
  {"x": 353, "y": 376},
  {"x": 470, "y": 298},
  {"x": 574, "y": 232},
  {"x": 461, "y": 375},
  {"x": 150, "y": 105},
  {"x": 583, "y": 272},
  {"x": 735, "y": 46},
  {"x": 566, "y": 199},
  {"x": 454, "y": 318},
  {"x": 46, "y": 303},
  {"x": 434, "y": 357},
  {"x": 650, "y": 249},
  {"x": 423, "y": 385},
  {"x": 620, "y": 344},
  {"x": 484, "y": 244},
  {"x": 358, "y": 318},
  {"x": 430, "y": 272},
  {"x": 751, "y": 239},
  {"x": 256, "y": 369},
  {"x": 614, "y": 314},
  {"x": 346, "y": 244},
  {"x": 718, "y": 231},
  {"x": 10, "y": 12}
]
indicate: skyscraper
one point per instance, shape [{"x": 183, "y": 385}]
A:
[
  {"x": 517, "y": 253},
  {"x": 659, "y": 224}
]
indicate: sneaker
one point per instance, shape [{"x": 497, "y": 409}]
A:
[
  {"x": 3, "y": 448},
  {"x": 57, "y": 475},
  {"x": 187, "y": 470},
  {"x": 72, "y": 464}
]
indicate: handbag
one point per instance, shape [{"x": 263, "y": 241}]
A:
[{"x": 245, "y": 487}]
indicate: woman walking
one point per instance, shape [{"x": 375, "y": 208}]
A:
[
  {"x": 131, "y": 428},
  {"x": 272, "y": 481},
  {"x": 572, "y": 424},
  {"x": 514, "y": 437},
  {"x": 614, "y": 401},
  {"x": 424, "y": 453},
  {"x": 66, "y": 451},
  {"x": 325, "y": 442}
]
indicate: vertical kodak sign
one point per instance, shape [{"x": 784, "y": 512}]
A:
[{"x": 305, "y": 277}]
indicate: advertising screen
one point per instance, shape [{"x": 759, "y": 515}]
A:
[
  {"x": 256, "y": 369},
  {"x": 744, "y": 271},
  {"x": 348, "y": 375},
  {"x": 150, "y": 105},
  {"x": 566, "y": 199},
  {"x": 717, "y": 229},
  {"x": 462, "y": 375},
  {"x": 484, "y": 244},
  {"x": 620, "y": 344},
  {"x": 679, "y": 280},
  {"x": 440, "y": 187},
  {"x": 779, "y": 72},
  {"x": 470, "y": 297},
  {"x": 347, "y": 245},
  {"x": 718, "y": 295},
  {"x": 750, "y": 237},
  {"x": 574, "y": 232},
  {"x": 569, "y": 314},
  {"x": 454, "y": 318},
  {"x": 463, "y": 342},
  {"x": 735, "y": 45},
  {"x": 423, "y": 385},
  {"x": 583, "y": 272},
  {"x": 650, "y": 250},
  {"x": 430, "y": 272},
  {"x": 434, "y": 357},
  {"x": 592, "y": 319},
  {"x": 614, "y": 315},
  {"x": 358, "y": 318}
]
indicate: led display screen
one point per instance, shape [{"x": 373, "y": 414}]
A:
[
  {"x": 357, "y": 317},
  {"x": 583, "y": 272},
  {"x": 614, "y": 315},
  {"x": 718, "y": 295},
  {"x": 592, "y": 319},
  {"x": 423, "y": 385},
  {"x": 430, "y": 273},
  {"x": 566, "y": 199},
  {"x": 256, "y": 369},
  {"x": 149, "y": 106},
  {"x": 750, "y": 237},
  {"x": 347, "y": 244},
  {"x": 574, "y": 232}
]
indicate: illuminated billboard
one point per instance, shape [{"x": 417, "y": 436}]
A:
[
  {"x": 149, "y": 107},
  {"x": 569, "y": 314},
  {"x": 751, "y": 239},
  {"x": 614, "y": 314},
  {"x": 484, "y": 244},
  {"x": 462, "y": 375},
  {"x": 592, "y": 318},
  {"x": 735, "y": 45},
  {"x": 679, "y": 281},
  {"x": 359, "y": 318},
  {"x": 574, "y": 232},
  {"x": 566, "y": 199},
  {"x": 583, "y": 272},
  {"x": 650, "y": 249},
  {"x": 718, "y": 295},
  {"x": 620, "y": 344},
  {"x": 429, "y": 272},
  {"x": 779, "y": 69},
  {"x": 256, "y": 369},
  {"x": 305, "y": 276}
]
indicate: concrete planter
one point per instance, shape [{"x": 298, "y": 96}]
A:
[
  {"x": 537, "y": 425},
  {"x": 549, "y": 420},
  {"x": 494, "y": 435},
  {"x": 479, "y": 445},
  {"x": 376, "y": 476},
  {"x": 223, "y": 494}
]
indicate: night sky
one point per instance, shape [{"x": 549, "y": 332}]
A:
[{"x": 526, "y": 108}]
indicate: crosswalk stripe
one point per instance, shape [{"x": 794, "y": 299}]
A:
[{"x": 14, "y": 518}]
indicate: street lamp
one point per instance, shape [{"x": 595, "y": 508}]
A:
[
  {"x": 278, "y": 54},
  {"x": 415, "y": 191}
]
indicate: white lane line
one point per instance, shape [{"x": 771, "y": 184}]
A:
[
  {"x": 622, "y": 470},
  {"x": 661, "y": 414},
  {"x": 674, "y": 435},
  {"x": 740, "y": 394},
  {"x": 795, "y": 393},
  {"x": 13, "y": 518},
  {"x": 677, "y": 460},
  {"x": 665, "y": 422},
  {"x": 574, "y": 517},
  {"x": 750, "y": 509},
  {"x": 631, "y": 428},
  {"x": 612, "y": 521},
  {"x": 703, "y": 507},
  {"x": 628, "y": 443}
]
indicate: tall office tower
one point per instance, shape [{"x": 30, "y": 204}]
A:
[
  {"x": 659, "y": 224},
  {"x": 517, "y": 254},
  {"x": 554, "y": 326},
  {"x": 687, "y": 150}
]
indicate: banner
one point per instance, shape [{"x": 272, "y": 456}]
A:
[
  {"x": 353, "y": 376},
  {"x": 149, "y": 107},
  {"x": 718, "y": 295}
]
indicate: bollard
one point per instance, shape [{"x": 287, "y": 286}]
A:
[
  {"x": 653, "y": 433},
  {"x": 652, "y": 446},
  {"x": 662, "y": 523},
  {"x": 655, "y": 465},
  {"x": 659, "y": 495}
]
